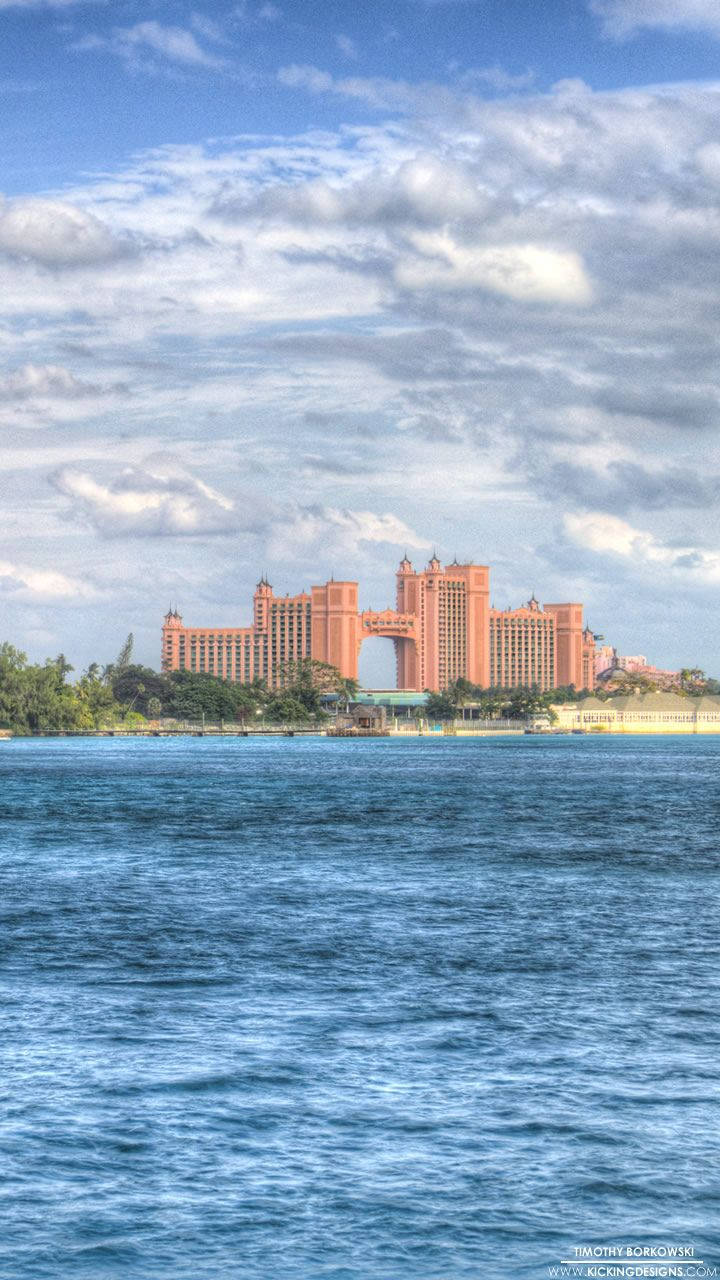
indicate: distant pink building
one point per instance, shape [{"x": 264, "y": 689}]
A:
[
  {"x": 605, "y": 658},
  {"x": 633, "y": 662},
  {"x": 442, "y": 627},
  {"x": 608, "y": 660}
]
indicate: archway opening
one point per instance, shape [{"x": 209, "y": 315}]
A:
[{"x": 376, "y": 664}]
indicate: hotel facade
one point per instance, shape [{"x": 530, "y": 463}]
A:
[{"x": 442, "y": 626}]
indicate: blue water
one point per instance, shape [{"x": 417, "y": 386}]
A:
[{"x": 312, "y": 1009}]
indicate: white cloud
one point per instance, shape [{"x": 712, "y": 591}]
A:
[
  {"x": 708, "y": 161},
  {"x": 605, "y": 533},
  {"x": 161, "y": 499},
  {"x": 332, "y": 529},
  {"x": 173, "y": 44},
  {"x": 383, "y": 93},
  {"x": 496, "y": 77},
  {"x": 207, "y": 28},
  {"x": 48, "y": 380},
  {"x": 42, "y": 584},
  {"x": 525, "y": 272},
  {"x": 425, "y": 190},
  {"x": 38, "y": 396},
  {"x": 622, "y": 18},
  {"x": 347, "y": 47},
  {"x": 54, "y": 233},
  {"x": 251, "y": 16},
  {"x": 378, "y": 92},
  {"x": 297, "y": 76}
]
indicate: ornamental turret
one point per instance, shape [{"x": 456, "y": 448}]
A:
[
  {"x": 172, "y": 638},
  {"x": 263, "y": 594}
]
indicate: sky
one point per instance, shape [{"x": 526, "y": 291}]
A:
[{"x": 297, "y": 287}]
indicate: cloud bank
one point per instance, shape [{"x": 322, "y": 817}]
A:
[
  {"x": 53, "y": 233},
  {"x": 42, "y": 585},
  {"x": 147, "y": 43},
  {"x": 463, "y": 325},
  {"x": 159, "y": 502},
  {"x": 624, "y": 18}
]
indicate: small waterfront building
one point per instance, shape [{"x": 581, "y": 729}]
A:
[
  {"x": 401, "y": 706},
  {"x": 366, "y": 719}
]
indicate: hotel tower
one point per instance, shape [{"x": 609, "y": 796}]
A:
[{"x": 442, "y": 627}]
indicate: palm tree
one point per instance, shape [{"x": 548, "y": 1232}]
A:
[{"x": 348, "y": 691}]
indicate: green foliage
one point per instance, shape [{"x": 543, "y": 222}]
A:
[
  {"x": 694, "y": 680},
  {"x": 622, "y": 682},
  {"x": 287, "y": 708},
  {"x": 309, "y": 682},
  {"x": 95, "y": 697},
  {"x": 522, "y": 703},
  {"x": 34, "y": 698},
  {"x": 124, "y": 658},
  {"x": 490, "y": 704},
  {"x": 12, "y": 666},
  {"x": 568, "y": 693},
  {"x": 195, "y": 697},
  {"x": 134, "y": 686},
  {"x": 441, "y": 706},
  {"x": 37, "y": 698}
]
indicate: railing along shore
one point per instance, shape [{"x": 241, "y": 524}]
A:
[{"x": 198, "y": 729}]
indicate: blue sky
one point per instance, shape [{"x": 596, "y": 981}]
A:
[
  {"x": 294, "y": 286},
  {"x": 84, "y": 86}
]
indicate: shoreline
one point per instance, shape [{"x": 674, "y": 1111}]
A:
[{"x": 392, "y": 734}]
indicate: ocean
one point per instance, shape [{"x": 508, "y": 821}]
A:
[{"x": 315, "y": 1009}]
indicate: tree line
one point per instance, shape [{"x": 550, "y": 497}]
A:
[
  {"x": 39, "y": 697},
  {"x": 494, "y": 703},
  {"x": 519, "y": 703}
]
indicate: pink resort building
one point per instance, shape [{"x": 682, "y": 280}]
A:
[
  {"x": 442, "y": 627},
  {"x": 608, "y": 663}
]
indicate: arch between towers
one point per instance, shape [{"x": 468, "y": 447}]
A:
[{"x": 404, "y": 630}]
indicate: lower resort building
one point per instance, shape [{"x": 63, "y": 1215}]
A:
[
  {"x": 442, "y": 627},
  {"x": 641, "y": 713}
]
